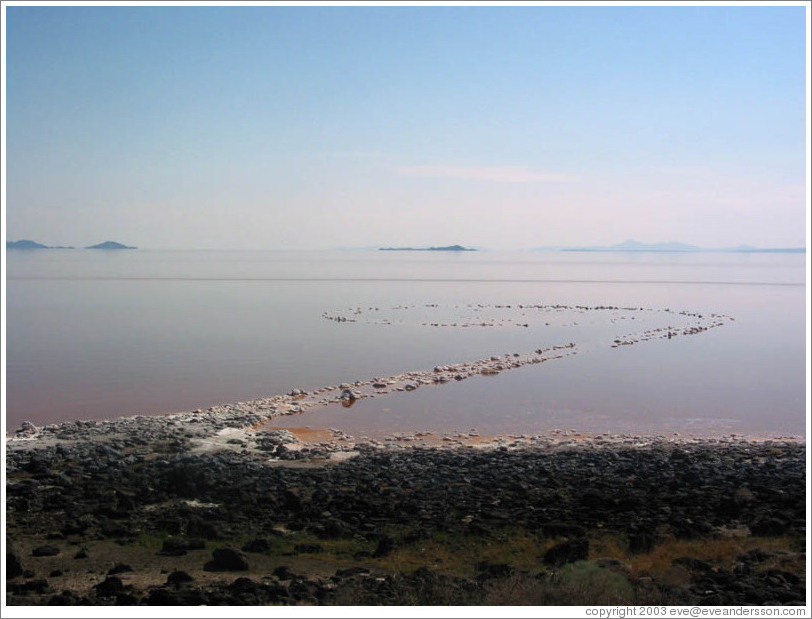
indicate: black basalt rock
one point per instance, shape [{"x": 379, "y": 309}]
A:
[
  {"x": 178, "y": 578},
  {"x": 163, "y": 597},
  {"x": 226, "y": 560},
  {"x": 283, "y": 572},
  {"x": 178, "y": 546},
  {"x": 257, "y": 545},
  {"x": 641, "y": 541},
  {"x": 110, "y": 587},
  {"x": 487, "y": 570},
  {"x": 386, "y": 544},
  {"x": 14, "y": 566},
  {"x": 120, "y": 568},
  {"x": 46, "y": 550},
  {"x": 308, "y": 548},
  {"x": 769, "y": 527}
]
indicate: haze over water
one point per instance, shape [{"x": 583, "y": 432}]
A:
[{"x": 94, "y": 335}]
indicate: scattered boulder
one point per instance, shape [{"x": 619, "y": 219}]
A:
[
  {"x": 163, "y": 597},
  {"x": 283, "y": 572},
  {"x": 14, "y": 565},
  {"x": 756, "y": 555},
  {"x": 487, "y": 570},
  {"x": 769, "y": 527},
  {"x": 641, "y": 541},
  {"x": 66, "y": 598},
  {"x": 178, "y": 578},
  {"x": 386, "y": 544},
  {"x": 109, "y": 587},
  {"x": 38, "y": 586},
  {"x": 257, "y": 545},
  {"x": 308, "y": 548},
  {"x": 120, "y": 568},
  {"x": 226, "y": 560},
  {"x": 178, "y": 546},
  {"x": 45, "y": 551}
]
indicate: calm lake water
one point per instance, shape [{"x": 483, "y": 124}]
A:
[{"x": 100, "y": 334}]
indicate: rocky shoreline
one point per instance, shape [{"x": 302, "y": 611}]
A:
[{"x": 204, "y": 509}]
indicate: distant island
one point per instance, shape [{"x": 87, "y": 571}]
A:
[
  {"x": 110, "y": 245},
  {"x": 447, "y": 248},
  {"x": 26, "y": 244}
]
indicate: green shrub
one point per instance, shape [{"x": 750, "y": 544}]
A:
[{"x": 577, "y": 584}]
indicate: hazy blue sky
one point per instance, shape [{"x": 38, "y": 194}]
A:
[{"x": 503, "y": 127}]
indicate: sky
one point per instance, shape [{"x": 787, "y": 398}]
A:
[{"x": 260, "y": 127}]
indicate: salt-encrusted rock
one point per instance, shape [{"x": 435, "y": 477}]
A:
[
  {"x": 27, "y": 429},
  {"x": 348, "y": 395}
]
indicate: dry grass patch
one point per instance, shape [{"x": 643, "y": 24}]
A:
[
  {"x": 720, "y": 552},
  {"x": 458, "y": 554},
  {"x": 580, "y": 584}
]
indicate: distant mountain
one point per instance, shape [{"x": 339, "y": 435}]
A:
[
  {"x": 747, "y": 249},
  {"x": 25, "y": 244},
  {"x": 451, "y": 248},
  {"x": 632, "y": 245},
  {"x": 110, "y": 245},
  {"x": 447, "y": 248},
  {"x": 673, "y": 246}
]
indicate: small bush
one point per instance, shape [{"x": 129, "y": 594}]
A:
[{"x": 577, "y": 584}]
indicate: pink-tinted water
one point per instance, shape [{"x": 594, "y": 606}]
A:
[{"x": 103, "y": 334}]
